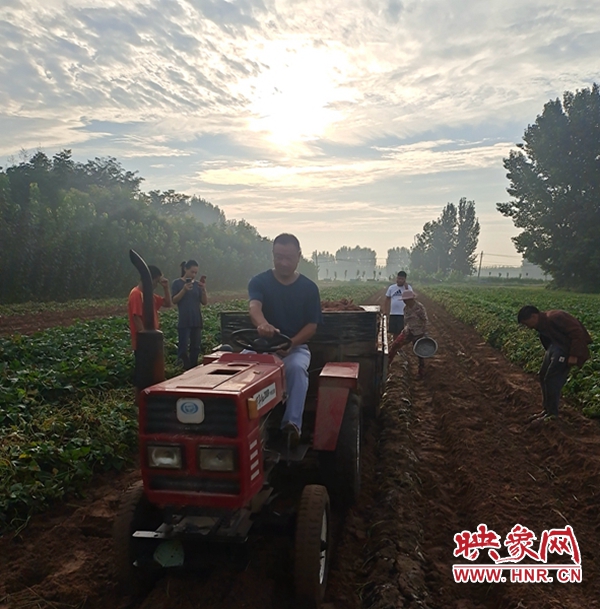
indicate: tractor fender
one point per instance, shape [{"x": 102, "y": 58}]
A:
[{"x": 336, "y": 381}]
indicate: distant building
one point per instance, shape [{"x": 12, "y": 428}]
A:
[
  {"x": 527, "y": 270},
  {"x": 532, "y": 271},
  {"x": 347, "y": 270}
]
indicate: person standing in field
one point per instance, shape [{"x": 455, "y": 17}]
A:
[
  {"x": 566, "y": 342},
  {"x": 188, "y": 294},
  {"x": 135, "y": 303},
  {"x": 415, "y": 327},
  {"x": 394, "y": 305}
]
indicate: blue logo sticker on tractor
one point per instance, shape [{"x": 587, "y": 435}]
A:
[{"x": 189, "y": 408}]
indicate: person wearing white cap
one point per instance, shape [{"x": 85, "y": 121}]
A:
[{"x": 415, "y": 326}]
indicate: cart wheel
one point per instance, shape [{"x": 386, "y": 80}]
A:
[
  {"x": 312, "y": 546},
  {"x": 341, "y": 468},
  {"x": 133, "y": 557}
]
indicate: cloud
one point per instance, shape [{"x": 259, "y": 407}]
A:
[
  {"x": 341, "y": 103},
  {"x": 32, "y": 133},
  {"x": 330, "y": 174}
]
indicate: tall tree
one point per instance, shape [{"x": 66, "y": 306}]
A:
[
  {"x": 324, "y": 262},
  {"x": 448, "y": 243},
  {"x": 172, "y": 204},
  {"x": 433, "y": 248},
  {"x": 320, "y": 258},
  {"x": 363, "y": 256},
  {"x": 467, "y": 236},
  {"x": 555, "y": 184},
  {"x": 359, "y": 258},
  {"x": 398, "y": 259}
]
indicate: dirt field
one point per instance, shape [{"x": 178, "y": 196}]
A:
[
  {"x": 34, "y": 322},
  {"x": 447, "y": 453}
]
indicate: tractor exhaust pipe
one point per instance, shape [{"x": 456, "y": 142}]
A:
[{"x": 150, "y": 354}]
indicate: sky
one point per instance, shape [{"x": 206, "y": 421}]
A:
[{"x": 346, "y": 122}]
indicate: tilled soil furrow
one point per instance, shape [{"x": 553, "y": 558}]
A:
[{"x": 494, "y": 467}]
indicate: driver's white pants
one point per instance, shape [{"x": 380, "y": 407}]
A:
[{"x": 296, "y": 380}]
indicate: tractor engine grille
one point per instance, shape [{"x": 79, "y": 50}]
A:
[
  {"x": 199, "y": 485},
  {"x": 220, "y": 417}
]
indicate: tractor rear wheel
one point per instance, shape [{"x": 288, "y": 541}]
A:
[
  {"x": 312, "y": 546},
  {"x": 341, "y": 468},
  {"x": 133, "y": 560}
]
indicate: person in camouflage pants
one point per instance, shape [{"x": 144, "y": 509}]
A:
[{"x": 415, "y": 327}]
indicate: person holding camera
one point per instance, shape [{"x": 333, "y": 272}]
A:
[{"x": 188, "y": 294}]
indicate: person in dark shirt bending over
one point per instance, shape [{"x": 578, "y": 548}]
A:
[
  {"x": 566, "y": 342},
  {"x": 284, "y": 301}
]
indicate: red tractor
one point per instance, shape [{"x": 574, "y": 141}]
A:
[{"x": 215, "y": 467}]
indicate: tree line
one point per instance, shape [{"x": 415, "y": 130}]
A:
[
  {"x": 352, "y": 263},
  {"x": 66, "y": 229},
  {"x": 348, "y": 263}
]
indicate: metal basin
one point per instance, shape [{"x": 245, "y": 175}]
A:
[{"x": 425, "y": 347}]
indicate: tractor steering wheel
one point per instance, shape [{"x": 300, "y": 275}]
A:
[{"x": 250, "y": 339}]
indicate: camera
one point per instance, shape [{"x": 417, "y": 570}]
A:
[{"x": 188, "y": 280}]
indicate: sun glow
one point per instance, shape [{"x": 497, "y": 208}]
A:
[{"x": 293, "y": 98}]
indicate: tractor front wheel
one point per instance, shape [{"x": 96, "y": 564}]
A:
[
  {"x": 134, "y": 566},
  {"x": 312, "y": 546}
]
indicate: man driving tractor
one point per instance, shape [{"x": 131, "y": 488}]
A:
[{"x": 283, "y": 301}]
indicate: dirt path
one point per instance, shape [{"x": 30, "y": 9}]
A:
[
  {"x": 456, "y": 450},
  {"x": 35, "y": 321},
  {"x": 447, "y": 453}
]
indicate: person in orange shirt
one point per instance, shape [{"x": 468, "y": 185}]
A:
[{"x": 136, "y": 300}]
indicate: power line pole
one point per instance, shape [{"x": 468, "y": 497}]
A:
[{"x": 480, "y": 261}]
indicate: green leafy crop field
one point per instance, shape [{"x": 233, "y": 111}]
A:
[
  {"x": 66, "y": 402},
  {"x": 492, "y": 311},
  {"x": 358, "y": 292}
]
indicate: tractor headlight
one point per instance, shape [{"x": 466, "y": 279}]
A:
[
  {"x": 168, "y": 457},
  {"x": 214, "y": 459}
]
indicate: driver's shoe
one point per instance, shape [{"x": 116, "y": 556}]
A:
[{"x": 292, "y": 435}]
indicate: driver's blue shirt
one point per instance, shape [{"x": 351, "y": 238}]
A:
[{"x": 287, "y": 307}]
